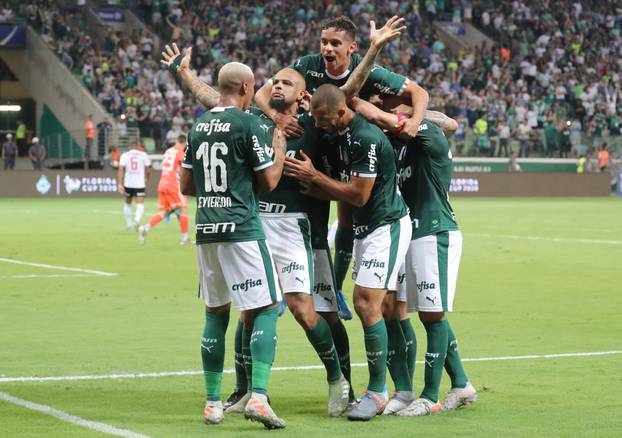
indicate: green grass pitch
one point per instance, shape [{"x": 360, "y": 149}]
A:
[{"x": 538, "y": 276}]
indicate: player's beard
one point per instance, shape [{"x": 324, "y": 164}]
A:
[{"x": 279, "y": 104}]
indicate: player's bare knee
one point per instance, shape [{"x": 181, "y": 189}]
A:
[
  {"x": 301, "y": 306},
  {"x": 431, "y": 316},
  {"x": 218, "y": 309},
  {"x": 331, "y": 318},
  {"x": 389, "y": 306}
]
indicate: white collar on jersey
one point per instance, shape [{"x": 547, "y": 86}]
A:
[
  {"x": 219, "y": 109},
  {"x": 341, "y": 76}
]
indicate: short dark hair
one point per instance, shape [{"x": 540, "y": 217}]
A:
[
  {"x": 342, "y": 23},
  {"x": 328, "y": 95},
  {"x": 181, "y": 139}
]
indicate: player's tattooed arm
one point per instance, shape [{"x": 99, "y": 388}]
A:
[
  {"x": 446, "y": 123},
  {"x": 391, "y": 120},
  {"x": 378, "y": 38},
  {"x": 356, "y": 192},
  {"x": 179, "y": 64}
]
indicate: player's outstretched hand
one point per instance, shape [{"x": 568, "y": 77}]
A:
[
  {"x": 391, "y": 30},
  {"x": 302, "y": 170},
  {"x": 289, "y": 125},
  {"x": 174, "y": 60}
]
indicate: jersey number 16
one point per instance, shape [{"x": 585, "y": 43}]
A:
[{"x": 214, "y": 168}]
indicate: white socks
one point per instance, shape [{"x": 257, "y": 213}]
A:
[
  {"x": 127, "y": 212},
  {"x": 140, "y": 209}
]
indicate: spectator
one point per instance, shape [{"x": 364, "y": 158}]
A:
[
  {"x": 589, "y": 163},
  {"x": 604, "y": 160},
  {"x": 89, "y": 128},
  {"x": 460, "y": 135},
  {"x": 9, "y": 151},
  {"x": 581, "y": 164},
  {"x": 481, "y": 133},
  {"x": 20, "y": 138},
  {"x": 523, "y": 132},
  {"x": 504, "y": 138},
  {"x": 36, "y": 153},
  {"x": 564, "y": 142},
  {"x": 103, "y": 132},
  {"x": 550, "y": 137},
  {"x": 513, "y": 165}
]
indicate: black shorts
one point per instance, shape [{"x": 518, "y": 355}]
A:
[{"x": 134, "y": 193}]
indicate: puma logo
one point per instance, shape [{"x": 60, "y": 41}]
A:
[
  {"x": 432, "y": 300},
  {"x": 300, "y": 280},
  {"x": 379, "y": 277}
]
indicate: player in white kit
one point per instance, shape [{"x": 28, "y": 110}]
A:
[{"x": 132, "y": 180}]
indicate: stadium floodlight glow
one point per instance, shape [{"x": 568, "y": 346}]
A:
[{"x": 10, "y": 108}]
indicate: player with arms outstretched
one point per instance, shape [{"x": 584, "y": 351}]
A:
[
  {"x": 227, "y": 159},
  {"x": 170, "y": 199}
]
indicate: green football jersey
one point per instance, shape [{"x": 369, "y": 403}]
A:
[
  {"x": 362, "y": 150},
  {"x": 226, "y": 147},
  {"x": 425, "y": 168},
  {"x": 286, "y": 197},
  {"x": 380, "y": 80}
]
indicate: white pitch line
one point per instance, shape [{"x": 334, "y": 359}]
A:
[
  {"x": 64, "y": 416},
  {"x": 58, "y": 267},
  {"x": 547, "y": 239},
  {"x": 290, "y": 368},
  {"x": 28, "y": 276}
]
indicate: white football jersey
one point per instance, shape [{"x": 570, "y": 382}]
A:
[{"x": 134, "y": 162}]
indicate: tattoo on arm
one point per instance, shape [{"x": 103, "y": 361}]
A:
[
  {"x": 279, "y": 141},
  {"x": 446, "y": 123},
  {"x": 360, "y": 74},
  {"x": 202, "y": 92}
]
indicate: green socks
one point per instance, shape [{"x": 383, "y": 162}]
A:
[
  {"x": 246, "y": 356},
  {"x": 213, "y": 352},
  {"x": 342, "y": 345},
  {"x": 241, "y": 383},
  {"x": 396, "y": 356},
  {"x": 453, "y": 363},
  {"x": 434, "y": 357},
  {"x": 263, "y": 347},
  {"x": 344, "y": 240},
  {"x": 376, "y": 349},
  {"x": 322, "y": 340},
  {"x": 411, "y": 345}
]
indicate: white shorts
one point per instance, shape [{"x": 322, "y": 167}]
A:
[
  {"x": 242, "y": 272},
  {"x": 324, "y": 297},
  {"x": 289, "y": 237},
  {"x": 431, "y": 272},
  {"x": 379, "y": 255}
]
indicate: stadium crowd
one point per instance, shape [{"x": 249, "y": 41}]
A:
[{"x": 551, "y": 82}]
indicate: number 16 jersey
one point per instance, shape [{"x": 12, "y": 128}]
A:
[{"x": 225, "y": 148}]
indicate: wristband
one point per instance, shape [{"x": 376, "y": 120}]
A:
[{"x": 174, "y": 66}]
